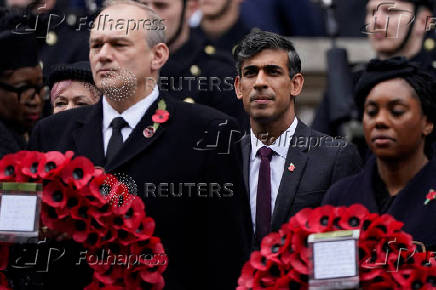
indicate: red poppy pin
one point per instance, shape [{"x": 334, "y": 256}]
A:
[
  {"x": 291, "y": 167},
  {"x": 160, "y": 116},
  {"x": 431, "y": 195}
]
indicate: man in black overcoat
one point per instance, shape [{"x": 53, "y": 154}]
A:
[{"x": 186, "y": 170}]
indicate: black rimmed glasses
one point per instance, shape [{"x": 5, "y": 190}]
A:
[{"x": 26, "y": 91}]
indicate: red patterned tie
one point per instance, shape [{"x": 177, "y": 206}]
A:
[{"x": 263, "y": 198}]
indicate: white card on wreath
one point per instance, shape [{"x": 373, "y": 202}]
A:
[
  {"x": 17, "y": 212},
  {"x": 334, "y": 259}
]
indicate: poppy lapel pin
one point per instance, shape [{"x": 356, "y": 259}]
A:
[
  {"x": 431, "y": 195},
  {"x": 160, "y": 116},
  {"x": 291, "y": 167}
]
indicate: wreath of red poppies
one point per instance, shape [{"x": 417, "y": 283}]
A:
[
  {"x": 76, "y": 200},
  {"x": 388, "y": 258}
]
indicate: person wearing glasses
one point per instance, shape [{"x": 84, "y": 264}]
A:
[
  {"x": 72, "y": 86},
  {"x": 21, "y": 90}
]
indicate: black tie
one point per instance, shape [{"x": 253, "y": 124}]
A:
[{"x": 116, "y": 140}]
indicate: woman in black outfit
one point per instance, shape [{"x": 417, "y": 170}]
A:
[{"x": 398, "y": 101}]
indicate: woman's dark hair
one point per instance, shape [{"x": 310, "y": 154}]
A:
[
  {"x": 423, "y": 84},
  {"x": 256, "y": 41}
]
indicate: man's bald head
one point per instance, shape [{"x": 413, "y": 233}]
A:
[{"x": 151, "y": 21}]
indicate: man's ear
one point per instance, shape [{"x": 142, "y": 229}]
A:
[
  {"x": 297, "y": 84},
  {"x": 191, "y": 7},
  {"x": 238, "y": 88},
  {"x": 160, "y": 56}
]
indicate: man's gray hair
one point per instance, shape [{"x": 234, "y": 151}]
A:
[{"x": 153, "y": 37}]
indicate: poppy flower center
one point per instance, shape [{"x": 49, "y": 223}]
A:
[
  {"x": 80, "y": 225},
  {"x": 104, "y": 208},
  {"x": 52, "y": 213},
  {"x": 9, "y": 170},
  {"x": 72, "y": 202},
  {"x": 263, "y": 261},
  {"x": 354, "y": 222},
  {"x": 95, "y": 224},
  {"x": 383, "y": 228},
  {"x": 324, "y": 220},
  {"x": 275, "y": 248},
  {"x": 108, "y": 236},
  {"x": 129, "y": 213},
  {"x": 274, "y": 271},
  {"x": 122, "y": 234},
  {"x": 152, "y": 269},
  {"x": 417, "y": 285},
  {"x": 49, "y": 166},
  {"x": 366, "y": 225},
  {"x": 92, "y": 238},
  {"x": 57, "y": 196},
  {"x": 147, "y": 252},
  {"x": 78, "y": 173},
  {"x": 118, "y": 221},
  {"x": 432, "y": 280},
  {"x": 83, "y": 212},
  {"x": 34, "y": 167},
  {"x": 140, "y": 228}
]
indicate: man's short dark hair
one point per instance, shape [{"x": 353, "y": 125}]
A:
[{"x": 256, "y": 41}]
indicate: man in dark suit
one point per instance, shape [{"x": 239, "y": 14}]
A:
[
  {"x": 287, "y": 166},
  {"x": 193, "y": 191}
]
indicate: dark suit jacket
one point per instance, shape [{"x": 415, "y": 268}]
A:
[
  {"x": 408, "y": 206},
  {"x": 203, "y": 236},
  {"x": 316, "y": 169}
]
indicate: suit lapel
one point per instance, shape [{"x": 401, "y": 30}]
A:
[
  {"x": 137, "y": 142},
  {"x": 88, "y": 136},
  {"x": 246, "y": 149},
  {"x": 290, "y": 180}
]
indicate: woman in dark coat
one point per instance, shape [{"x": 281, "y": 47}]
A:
[{"x": 398, "y": 101}]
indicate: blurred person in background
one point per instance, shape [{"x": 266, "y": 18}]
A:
[
  {"x": 61, "y": 28},
  {"x": 196, "y": 71},
  {"x": 21, "y": 90},
  {"x": 221, "y": 23},
  {"x": 288, "y": 18},
  {"x": 398, "y": 102},
  {"x": 390, "y": 34},
  {"x": 72, "y": 86},
  {"x": 61, "y": 38}
]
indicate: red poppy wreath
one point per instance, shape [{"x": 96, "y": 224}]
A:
[
  {"x": 388, "y": 258},
  {"x": 78, "y": 200}
]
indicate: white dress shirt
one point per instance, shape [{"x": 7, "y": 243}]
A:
[
  {"x": 277, "y": 165},
  {"x": 132, "y": 116}
]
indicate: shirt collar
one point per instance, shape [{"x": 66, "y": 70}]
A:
[
  {"x": 280, "y": 146},
  {"x": 133, "y": 114}
]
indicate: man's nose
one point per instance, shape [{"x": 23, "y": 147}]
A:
[
  {"x": 260, "y": 82},
  {"x": 380, "y": 21},
  {"x": 105, "y": 53}
]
